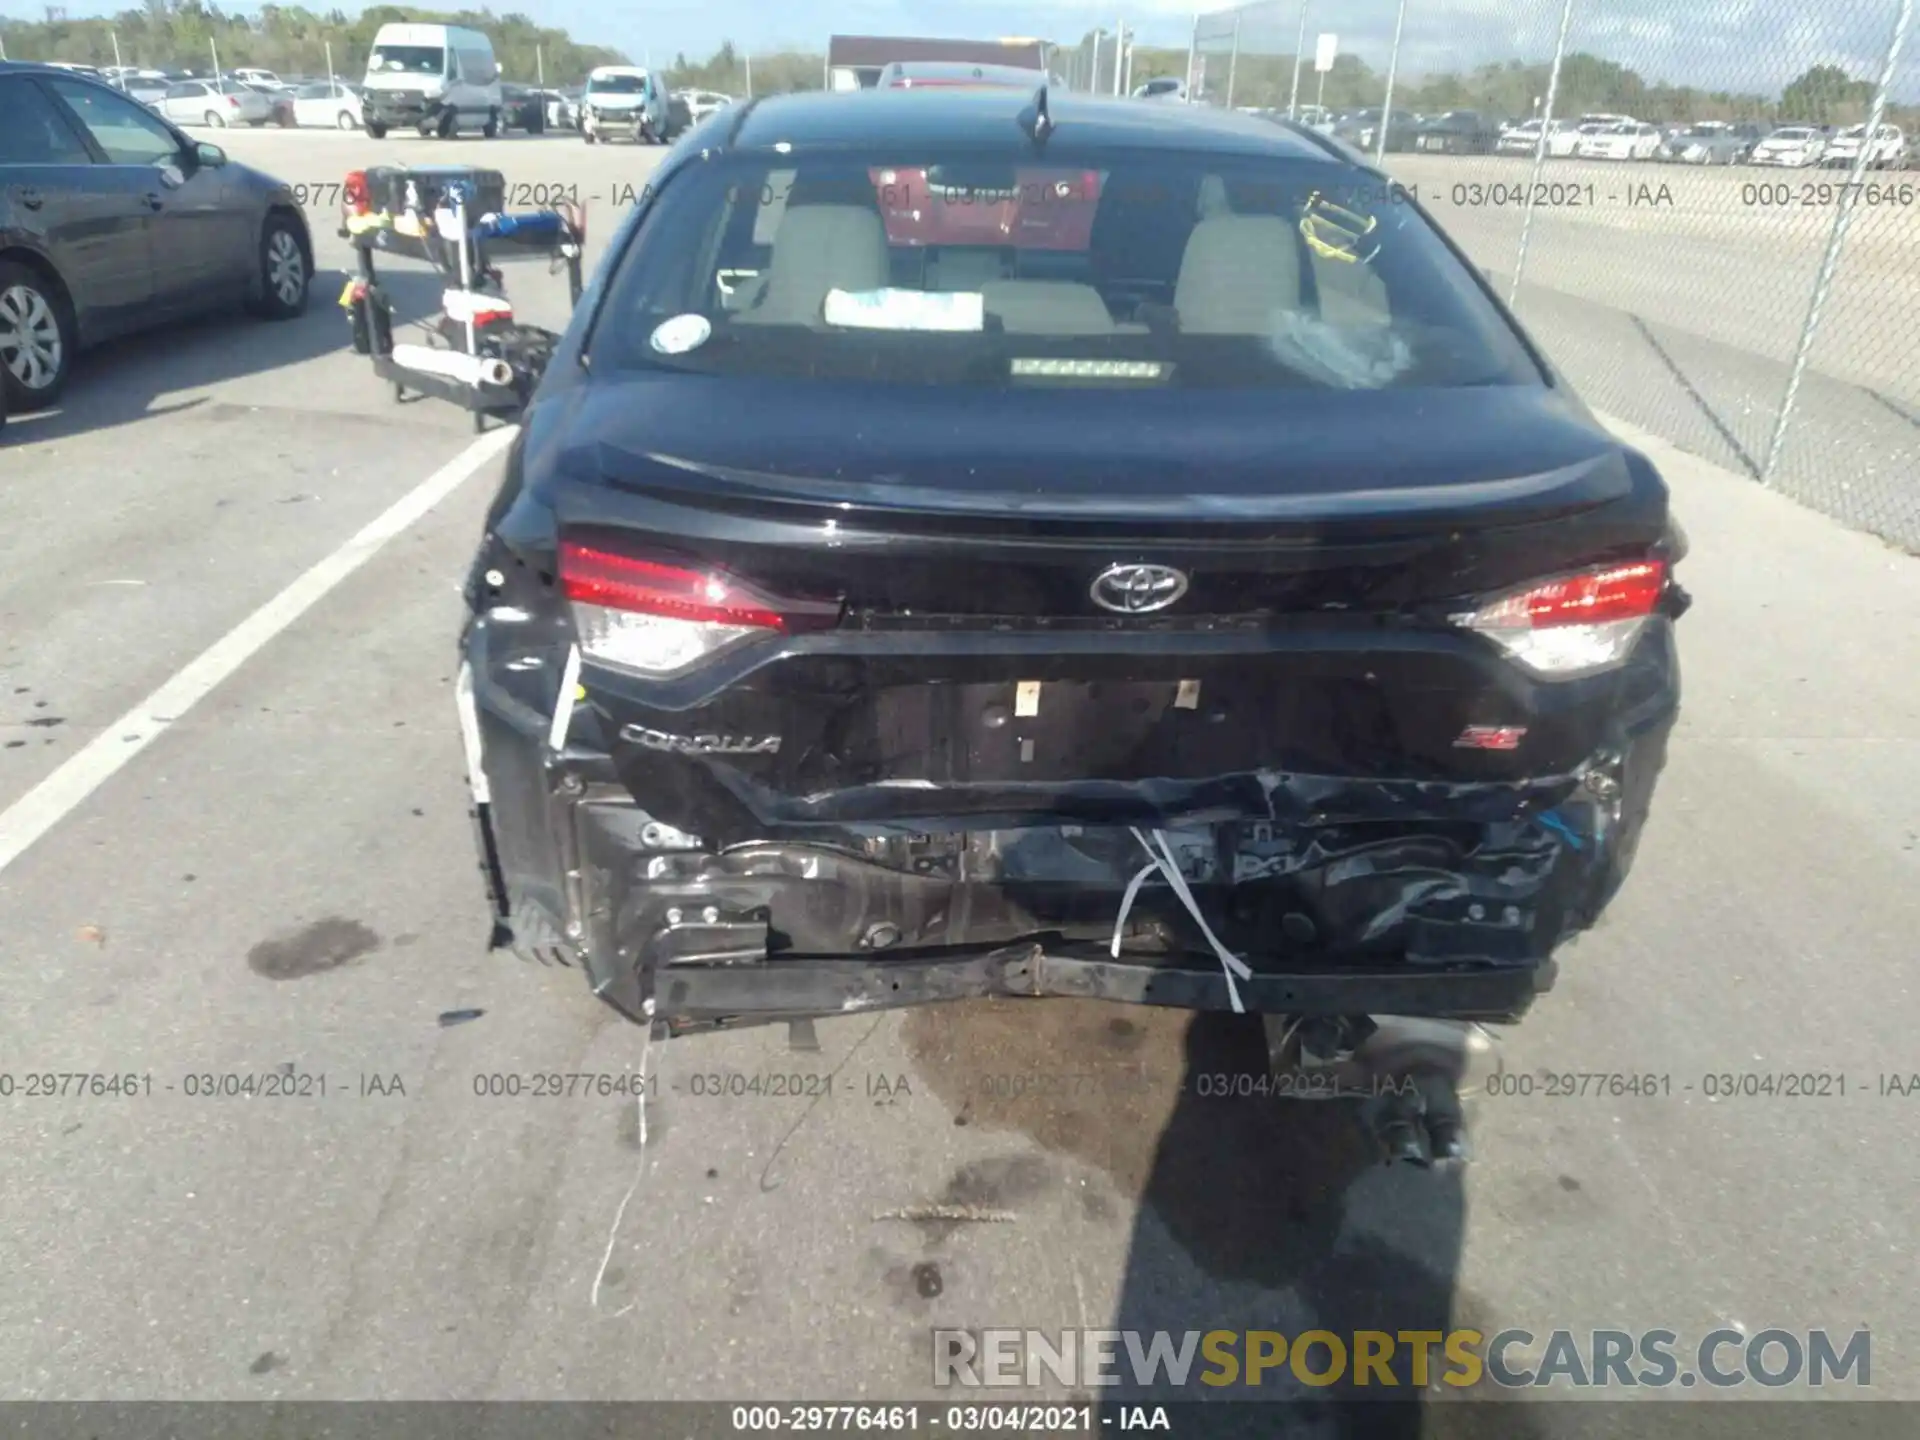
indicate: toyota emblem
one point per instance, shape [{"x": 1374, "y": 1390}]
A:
[{"x": 1137, "y": 589}]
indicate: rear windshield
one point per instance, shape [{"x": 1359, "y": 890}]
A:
[
  {"x": 407, "y": 59},
  {"x": 1162, "y": 270}
]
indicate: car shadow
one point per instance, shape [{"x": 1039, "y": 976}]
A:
[
  {"x": 1248, "y": 1211},
  {"x": 1250, "y": 1219},
  {"x": 123, "y": 381}
]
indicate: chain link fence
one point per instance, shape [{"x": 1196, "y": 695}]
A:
[
  {"x": 1102, "y": 63},
  {"x": 1709, "y": 216}
]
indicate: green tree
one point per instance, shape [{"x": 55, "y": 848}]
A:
[
  {"x": 290, "y": 39},
  {"x": 1825, "y": 95}
]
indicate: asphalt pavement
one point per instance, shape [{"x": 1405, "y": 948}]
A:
[
  {"x": 1675, "y": 297},
  {"x": 234, "y": 843}
]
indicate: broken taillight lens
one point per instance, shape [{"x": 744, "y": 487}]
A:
[
  {"x": 1577, "y": 623},
  {"x": 657, "y": 619},
  {"x": 353, "y": 193}
]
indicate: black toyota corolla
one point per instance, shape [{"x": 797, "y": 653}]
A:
[{"x": 978, "y": 544}]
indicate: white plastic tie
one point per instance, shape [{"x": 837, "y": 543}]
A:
[
  {"x": 1231, "y": 965},
  {"x": 1126, "y": 903}
]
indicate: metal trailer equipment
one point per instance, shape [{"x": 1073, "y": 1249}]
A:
[{"x": 451, "y": 216}]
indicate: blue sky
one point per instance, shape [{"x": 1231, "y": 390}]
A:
[
  {"x": 1749, "y": 45},
  {"x": 1736, "y": 44}
]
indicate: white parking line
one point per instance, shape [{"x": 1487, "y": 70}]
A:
[{"x": 44, "y": 806}]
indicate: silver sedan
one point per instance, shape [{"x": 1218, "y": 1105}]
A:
[{"x": 201, "y": 102}]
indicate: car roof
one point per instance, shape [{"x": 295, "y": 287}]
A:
[{"x": 829, "y": 120}]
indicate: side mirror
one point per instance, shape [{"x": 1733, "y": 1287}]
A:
[{"x": 211, "y": 157}]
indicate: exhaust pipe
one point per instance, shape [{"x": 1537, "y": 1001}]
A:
[
  {"x": 1407, "y": 1072},
  {"x": 1419, "y": 1121}
]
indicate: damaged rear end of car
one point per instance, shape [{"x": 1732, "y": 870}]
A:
[{"x": 822, "y": 665}]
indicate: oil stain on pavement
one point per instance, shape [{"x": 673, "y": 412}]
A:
[
  {"x": 1251, "y": 1188},
  {"x": 324, "y": 945}
]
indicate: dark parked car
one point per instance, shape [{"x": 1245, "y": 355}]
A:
[
  {"x": 1362, "y": 131},
  {"x": 280, "y": 98},
  {"x": 1247, "y": 547},
  {"x": 523, "y": 109},
  {"x": 111, "y": 220},
  {"x": 1459, "y": 132}
]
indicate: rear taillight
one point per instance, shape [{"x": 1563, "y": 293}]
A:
[
  {"x": 354, "y": 197},
  {"x": 657, "y": 619},
  {"x": 1576, "y": 623},
  {"x": 234, "y": 101}
]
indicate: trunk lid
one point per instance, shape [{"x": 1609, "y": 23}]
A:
[
  {"x": 1285, "y": 506},
  {"x": 972, "y": 677}
]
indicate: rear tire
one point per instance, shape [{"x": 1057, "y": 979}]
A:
[
  {"x": 346, "y": 121},
  {"x": 375, "y": 130},
  {"x": 491, "y": 129},
  {"x": 449, "y": 125},
  {"x": 215, "y": 120},
  {"x": 38, "y": 338},
  {"x": 587, "y": 135}
]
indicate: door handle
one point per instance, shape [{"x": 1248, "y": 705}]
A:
[
  {"x": 154, "y": 201},
  {"x": 29, "y": 198}
]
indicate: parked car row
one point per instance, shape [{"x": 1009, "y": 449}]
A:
[
  {"x": 1711, "y": 142},
  {"x": 1600, "y": 136},
  {"x": 256, "y": 97}
]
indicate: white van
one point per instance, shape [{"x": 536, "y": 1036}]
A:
[
  {"x": 437, "y": 78},
  {"x": 623, "y": 102}
]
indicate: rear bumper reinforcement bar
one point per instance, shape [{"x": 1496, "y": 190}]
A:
[{"x": 699, "y": 996}]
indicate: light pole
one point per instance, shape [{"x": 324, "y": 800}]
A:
[{"x": 1299, "y": 55}]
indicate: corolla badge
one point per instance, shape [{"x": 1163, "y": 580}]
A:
[
  {"x": 1137, "y": 589},
  {"x": 702, "y": 744}
]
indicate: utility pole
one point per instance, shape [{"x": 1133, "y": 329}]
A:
[
  {"x": 1233, "y": 60},
  {"x": 1299, "y": 57}
]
